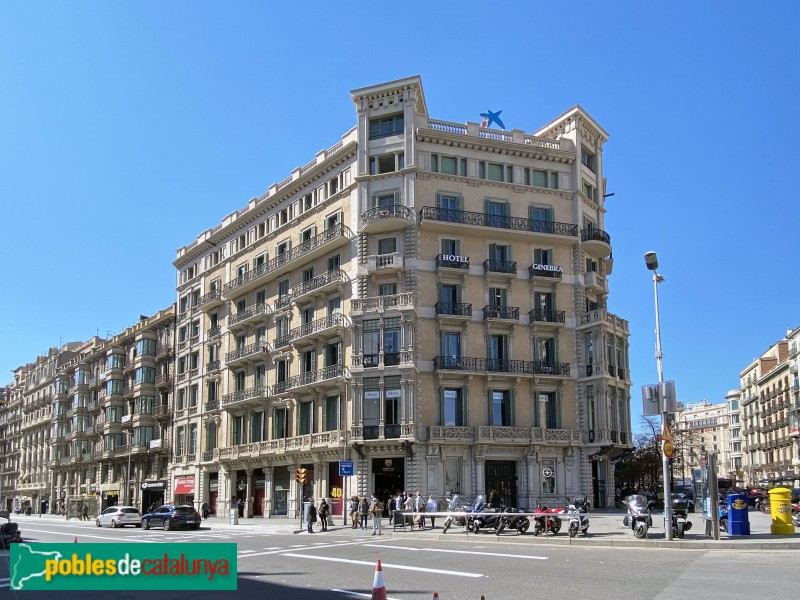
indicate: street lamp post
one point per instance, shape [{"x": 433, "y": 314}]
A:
[{"x": 651, "y": 260}]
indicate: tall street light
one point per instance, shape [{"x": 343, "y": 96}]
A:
[{"x": 651, "y": 260}]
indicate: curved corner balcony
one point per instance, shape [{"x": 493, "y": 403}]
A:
[
  {"x": 385, "y": 218},
  {"x": 596, "y": 242},
  {"x": 330, "y": 239}
]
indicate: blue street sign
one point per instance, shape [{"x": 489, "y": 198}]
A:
[{"x": 345, "y": 468}]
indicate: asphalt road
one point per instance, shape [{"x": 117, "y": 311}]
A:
[{"x": 331, "y": 566}]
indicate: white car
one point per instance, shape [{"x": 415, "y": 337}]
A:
[{"x": 119, "y": 516}]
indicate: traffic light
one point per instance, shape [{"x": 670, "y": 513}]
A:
[{"x": 301, "y": 475}]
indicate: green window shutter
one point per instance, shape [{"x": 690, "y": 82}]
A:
[
  {"x": 435, "y": 163},
  {"x": 550, "y": 215},
  {"x": 438, "y": 200}
]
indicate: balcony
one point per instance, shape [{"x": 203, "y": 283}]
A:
[
  {"x": 547, "y": 319},
  {"x": 596, "y": 242},
  {"x": 596, "y": 282},
  {"x": 550, "y": 369},
  {"x": 549, "y": 272},
  {"x": 312, "y": 378},
  {"x": 459, "y": 311},
  {"x": 330, "y": 239},
  {"x": 214, "y": 332},
  {"x": 383, "y": 359},
  {"x": 382, "y": 263},
  {"x": 381, "y": 304},
  {"x": 448, "y": 220},
  {"x": 503, "y": 268},
  {"x": 164, "y": 350},
  {"x": 493, "y": 365},
  {"x": 385, "y": 218},
  {"x": 212, "y": 405},
  {"x": 210, "y": 300},
  {"x": 161, "y": 411},
  {"x": 321, "y": 284},
  {"x": 243, "y": 398},
  {"x": 156, "y": 445},
  {"x": 451, "y": 261},
  {"x": 593, "y": 317},
  {"x": 383, "y": 432},
  {"x": 250, "y": 353},
  {"x": 163, "y": 380},
  {"x": 505, "y": 313},
  {"x": 323, "y": 327},
  {"x": 213, "y": 365},
  {"x": 252, "y": 314}
]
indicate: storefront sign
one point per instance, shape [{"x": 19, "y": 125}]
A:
[
  {"x": 260, "y": 484},
  {"x": 213, "y": 486},
  {"x": 392, "y": 393},
  {"x": 184, "y": 485},
  {"x": 372, "y": 395},
  {"x": 455, "y": 258},
  {"x": 154, "y": 485}
]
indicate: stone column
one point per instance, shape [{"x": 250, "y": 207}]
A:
[
  {"x": 224, "y": 492},
  {"x": 268, "y": 491},
  {"x": 248, "y": 501}
]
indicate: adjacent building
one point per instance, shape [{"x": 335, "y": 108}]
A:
[
  {"x": 704, "y": 428},
  {"x": 426, "y": 298}
]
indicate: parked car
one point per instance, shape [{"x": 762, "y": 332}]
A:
[
  {"x": 119, "y": 516},
  {"x": 170, "y": 516}
]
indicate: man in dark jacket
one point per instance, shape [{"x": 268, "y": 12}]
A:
[{"x": 312, "y": 515}]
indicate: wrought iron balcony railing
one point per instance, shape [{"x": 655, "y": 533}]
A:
[
  {"x": 259, "y": 391},
  {"x": 386, "y": 212},
  {"x": 551, "y": 271},
  {"x": 486, "y": 220},
  {"x": 209, "y": 297},
  {"x": 450, "y": 261},
  {"x": 528, "y": 367},
  {"x": 460, "y": 309},
  {"x": 595, "y": 235},
  {"x": 509, "y": 267},
  {"x": 256, "y": 348},
  {"x": 333, "y": 320},
  {"x": 491, "y": 311},
  {"x": 547, "y": 316},
  {"x": 248, "y": 313},
  {"x": 337, "y": 231},
  {"x": 332, "y": 276}
]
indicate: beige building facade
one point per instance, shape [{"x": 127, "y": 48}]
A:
[{"x": 425, "y": 298}]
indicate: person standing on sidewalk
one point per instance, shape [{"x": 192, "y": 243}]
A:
[
  {"x": 363, "y": 512},
  {"x": 377, "y": 514},
  {"x": 312, "y": 515},
  {"x": 323, "y": 514},
  {"x": 419, "y": 506},
  {"x": 432, "y": 507},
  {"x": 352, "y": 509}
]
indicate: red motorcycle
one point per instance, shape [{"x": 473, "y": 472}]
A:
[{"x": 547, "y": 520}]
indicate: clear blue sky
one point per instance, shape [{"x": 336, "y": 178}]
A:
[{"x": 128, "y": 128}]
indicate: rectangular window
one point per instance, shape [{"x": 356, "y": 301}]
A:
[
  {"x": 334, "y": 262},
  {"x": 257, "y": 426},
  {"x": 180, "y": 441},
  {"x": 588, "y": 159},
  {"x": 304, "y": 410},
  {"x": 192, "y": 438},
  {"x": 590, "y": 191},
  {"x": 500, "y": 409},
  {"x": 452, "y": 476},
  {"x": 543, "y": 256},
  {"x": 280, "y": 423},
  {"x": 453, "y": 408},
  {"x": 371, "y": 408},
  {"x": 552, "y": 410},
  {"x": 237, "y": 430},
  {"x": 330, "y": 416},
  {"x": 549, "y": 483},
  {"x": 386, "y": 126},
  {"x": 387, "y": 246},
  {"x": 451, "y": 247}
]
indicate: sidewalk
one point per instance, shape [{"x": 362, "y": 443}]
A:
[{"x": 605, "y": 529}]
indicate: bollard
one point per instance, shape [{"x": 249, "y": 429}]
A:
[
  {"x": 781, "y": 511},
  {"x": 234, "y": 518}
]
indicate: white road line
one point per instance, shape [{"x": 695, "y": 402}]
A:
[
  {"x": 459, "y": 552},
  {"x": 86, "y": 535},
  {"x": 363, "y": 595},
  {"x": 272, "y": 548},
  {"x": 384, "y": 565},
  {"x": 303, "y": 548}
]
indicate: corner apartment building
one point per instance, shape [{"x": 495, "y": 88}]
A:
[
  {"x": 770, "y": 401},
  {"x": 425, "y": 297},
  {"x": 10, "y": 427},
  {"x": 705, "y": 428}
]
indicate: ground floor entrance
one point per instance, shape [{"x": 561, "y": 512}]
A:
[
  {"x": 501, "y": 477},
  {"x": 389, "y": 474}
]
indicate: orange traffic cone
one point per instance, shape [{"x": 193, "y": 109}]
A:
[
  {"x": 378, "y": 587},
  {"x": 435, "y": 596}
]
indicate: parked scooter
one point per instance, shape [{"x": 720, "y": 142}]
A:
[
  {"x": 723, "y": 517},
  {"x": 578, "y": 521},
  {"x": 796, "y": 514},
  {"x": 638, "y": 517},
  {"x": 453, "y": 506},
  {"x": 680, "y": 518},
  {"x": 581, "y": 503},
  {"x": 762, "y": 504},
  {"x": 482, "y": 516},
  {"x": 9, "y": 532}
]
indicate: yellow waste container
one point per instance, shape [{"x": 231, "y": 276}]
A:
[{"x": 781, "y": 510}]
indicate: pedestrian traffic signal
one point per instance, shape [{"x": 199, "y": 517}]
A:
[{"x": 301, "y": 475}]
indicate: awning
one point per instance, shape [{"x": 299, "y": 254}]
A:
[{"x": 184, "y": 485}]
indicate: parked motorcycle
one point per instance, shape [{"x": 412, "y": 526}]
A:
[
  {"x": 453, "y": 506},
  {"x": 680, "y": 518},
  {"x": 762, "y": 504},
  {"x": 578, "y": 521},
  {"x": 9, "y": 532},
  {"x": 723, "y": 517},
  {"x": 796, "y": 514},
  {"x": 482, "y": 516},
  {"x": 519, "y": 522},
  {"x": 547, "y": 520},
  {"x": 638, "y": 517},
  {"x": 581, "y": 503}
]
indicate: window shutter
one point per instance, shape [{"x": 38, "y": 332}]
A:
[
  {"x": 512, "y": 408},
  {"x": 550, "y": 215}
]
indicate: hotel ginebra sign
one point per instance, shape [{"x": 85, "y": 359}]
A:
[{"x": 554, "y": 268}]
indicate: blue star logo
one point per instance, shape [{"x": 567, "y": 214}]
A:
[{"x": 493, "y": 117}]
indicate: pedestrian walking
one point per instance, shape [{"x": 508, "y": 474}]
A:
[
  {"x": 323, "y": 512},
  {"x": 204, "y": 508},
  {"x": 240, "y": 507},
  {"x": 352, "y": 508},
  {"x": 377, "y": 514},
  {"x": 363, "y": 512},
  {"x": 419, "y": 507},
  {"x": 85, "y": 513},
  {"x": 432, "y": 507},
  {"x": 312, "y": 515}
]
